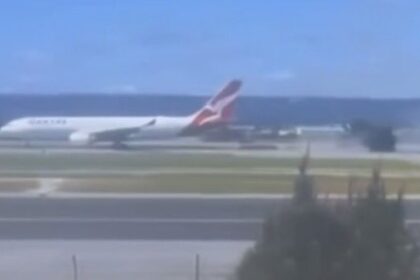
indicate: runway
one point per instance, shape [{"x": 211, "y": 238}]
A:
[
  {"x": 133, "y": 238},
  {"x": 143, "y": 218}
]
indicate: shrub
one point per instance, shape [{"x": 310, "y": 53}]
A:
[
  {"x": 377, "y": 138},
  {"x": 363, "y": 238},
  {"x": 380, "y": 139}
]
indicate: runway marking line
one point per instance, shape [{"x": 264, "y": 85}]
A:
[
  {"x": 148, "y": 220},
  {"x": 131, "y": 220},
  {"x": 204, "y": 196}
]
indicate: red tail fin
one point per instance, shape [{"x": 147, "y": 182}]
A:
[{"x": 219, "y": 109}]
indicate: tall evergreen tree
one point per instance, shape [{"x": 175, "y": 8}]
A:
[{"x": 309, "y": 240}]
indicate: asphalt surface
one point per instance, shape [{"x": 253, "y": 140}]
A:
[
  {"x": 145, "y": 219},
  {"x": 111, "y": 260},
  {"x": 141, "y": 218}
]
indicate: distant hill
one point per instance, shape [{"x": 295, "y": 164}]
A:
[{"x": 268, "y": 111}]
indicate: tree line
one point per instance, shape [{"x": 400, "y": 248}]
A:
[{"x": 363, "y": 237}]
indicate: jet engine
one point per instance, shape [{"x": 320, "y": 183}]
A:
[{"x": 81, "y": 138}]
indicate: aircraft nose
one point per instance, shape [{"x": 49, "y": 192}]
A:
[{"x": 7, "y": 129}]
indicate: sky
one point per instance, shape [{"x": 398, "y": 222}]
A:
[{"x": 358, "y": 48}]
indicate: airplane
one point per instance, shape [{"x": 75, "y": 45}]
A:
[{"x": 117, "y": 130}]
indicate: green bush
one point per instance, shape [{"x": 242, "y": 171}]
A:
[
  {"x": 377, "y": 138},
  {"x": 360, "y": 238},
  {"x": 381, "y": 139}
]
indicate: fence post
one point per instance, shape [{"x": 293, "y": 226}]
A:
[
  {"x": 197, "y": 267},
  {"x": 75, "y": 268}
]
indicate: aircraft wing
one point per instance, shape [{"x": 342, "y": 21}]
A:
[{"x": 119, "y": 134}]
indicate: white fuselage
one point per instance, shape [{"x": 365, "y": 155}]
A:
[
  {"x": 60, "y": 128},
  {"x": 88, "y": 130}
]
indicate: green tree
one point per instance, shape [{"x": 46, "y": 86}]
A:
[
  {"x": 376, "y": 137},
  {"x": 362, "y": 238},
  {"x": 381, "y": 139}
]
